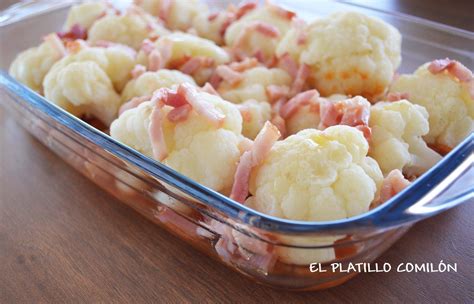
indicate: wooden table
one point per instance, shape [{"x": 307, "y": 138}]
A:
[{"x": 62, "y": 239}]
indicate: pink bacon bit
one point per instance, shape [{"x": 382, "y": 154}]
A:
[
  {"x": 138, "y": 70},
  {"x": 56, "y": 44},
  {"x": 208, "y": 88},
  {"x": 74, "y": 33},
  {"x": 244, "y": 8},
  {"x": 190, "y": 93},
  {"x": 155, "y": 61},
  {"x": 276, "y": 92},
  {"x": 394, "y": 96},
  {"x": 287, "y": 63},
  {"x": 255, "y": 156},
  {"x": 229, "y": 75},
  {"x": 147, "y": 46},
  {"x": 300, "y": 26},
  {"x": 245, "y": 112},
  {"x": 392, "y": 184},
  {"x": 155, "y": 130},
  {"x": 195, "y": 63},
  {"x": 133, "y": 103},
  {"x": 263, "y": 28},
  {"x": 280, "y": 11},
  {"x": 300, "y": 100},
  {"x": 453, "y": 67},
  {"x": 180, "y": 113},
  {"x": 244, "y": 65},
  {"x": 300, "y": 80},
  {"x": 164, "y": 9}
]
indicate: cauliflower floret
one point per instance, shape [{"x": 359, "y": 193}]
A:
[
  {"x": 195, "y": 147},
  {"x": 85, "y": 14},
  {"x": 308, "y": 116},
  {"x": 397, "y": 143},
  {"x": 130, "y": 28},
  {"x": 30, "y": 66},
  {"x": 213, "y": 26},
  {"x": 448, "y": 102},
  {"x": 347, "y": 52},
  {"x": 148, "y": 82},
  {"x": 258, "y": 33},
  {"x": 315, "y": 176},
  {"x": 254, "y": 84},
  {"x": 176, "y": 14},
  {"x": 254, "y": 115},
  {"x": 175, "y": 51},
  {"x": 86, "y": 82}
]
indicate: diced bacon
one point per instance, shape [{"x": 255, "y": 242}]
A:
[
  {"x": 244, "y": 8},
  {"x": 155, "y": 61},
  {"x": 245, "y": 112},
  {"x": 302, "y": 33},
  {"x": 392, "y": 184},
  {"x": 166, "y": 51},
  {"x": 133, "y": 103},
  {"x": 246, "y": 64},
  {"x": 245, "y": 145},
  {"x": 255, "y": 156},
  {"x": 195, "y": 63},
  {"x": 76, "y": 32},
  {"x": 138, "y": 70},
  {"x": 56, "y": 44},
  {"x": 280, "y": 11},
  {"x": 301, "y": 99},
  {"x": 395, "y": 96},
  {"x": 227, "y": 22},
  {"x": 201, "y": 106},
  {"x": 174, "y": 99},
  {"x": 301, "y": 75},
  {"x": 266, "y": 29},
  {"x": 454, "y": 68},
  {"x": 164, "y": 9},
  {"x": 329, "y": 114},
  {"x": 155, "y": 130},
  {"x": 212, "y": 16},
  {"x": 277, "y": 120},
  {"x": 180, "y": 113},
  {"x": 259, "y": 56},
  {"x": 147, "y": 46},
  {"x": 208, "y": 88},
  {"x": 229, "y": 75},
  {"x": 354, "y": 113},
  {"x": 276, "y": 92},
  {"x": 215, "y": 80},
  {"x": 366, "y": 130},
  {"x": 288, "y": 64}
]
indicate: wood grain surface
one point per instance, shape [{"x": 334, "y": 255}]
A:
[{"x": 62, "y": 239}]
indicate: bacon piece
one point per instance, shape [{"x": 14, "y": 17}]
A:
[
  {"x": 147, "y": 46},
  {"x": 227, "y": 22},
  {"x": 243, "y": 65},
  {"x": 155, "y": 130},
  {"x": 244, "y": 8},
  {"x": 133, "y": 103},
  {"x": 287, "y": 63},
  {"x": 454, "y": 68},
  {"x": 245, "y": 112},
  {"x": 212, "y": 16},
  {"x": 301, "y": 99},
  {"x": 75, "y": 32},
  {"x": 138, "y": 70},
  {"x": 180, "y": 113},
  {"x": 351, "y": 112},
  {"x": 195, "y": 63},
  {"x": 329, "y": 114},
  {"x": 263, "y": 28},
  {"x": 208, "y": 88},
  {"x": 301, "y": 75},
  {"x": 260, "y": 149},
  {"x": 280, "y": 11},
  {"x": 394, "y": 96},
  {"x": 276, "y": 92},
  {"x": 302, "y": 34},
  {"x": 164, "y": 9},
  {"x": 155, "y": 61},
  {"x": 280, "y": 123},
  {"x": 392, "y": 184},
  {"x": 56, "y": 43},
  {"x": 229, "y": 75},
  {"x": 200, "y": 106},
  {"x": 366, "y": 130},
  {"x": 245, "y": 145}
]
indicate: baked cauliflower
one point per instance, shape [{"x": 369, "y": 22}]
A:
[
  {"x": 87, "y": 82},
  {"x": 176, "y": 14},
  {"x": 258, "y": 32},
  {"x": 447, "y": 95},
  {"x": 85, "y": 14},
  {"x": 130, "y": 28},
  {"x": 30, "y": 66},
  {"x": 397, "y": 143},
  {"x": 254, "y": 115},
  {"x": 148, "y": 82},
  {"x": 347, "y": 53},
  {"x": 196, "y": 133},
  {"x": 190, "y": 54}
]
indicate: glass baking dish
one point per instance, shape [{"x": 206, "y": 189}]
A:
[{"x": 271, "y": 251}]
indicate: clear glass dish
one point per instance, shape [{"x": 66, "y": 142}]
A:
[{"x": 271, "y": 251}]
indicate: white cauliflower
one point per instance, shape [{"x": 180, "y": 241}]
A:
[
  {"x": 148, "y": 82},
  {"x": 196, "y": 148},
  {"x": 176, "y": 14},
  {"x": 448, "y": 102},
  {"x": 130, "y": 28},
  {"x": 254, "y": 115},
  {"x": 85, "y": 14},
  {"x": 254, "y": 84},
  {"x": 177, "y": 49},
  {"x": 30, "y": 66},
  {"x": 87, "y": 82},
  {"x": 308, "y": 116},
  {"x": 212, "y": 28},
  {"x": 397, "y": 143},
  {"x": 315, "y": 176},
  {"x": 258, "y": 32},
  {"x": 347, "y": 52}
]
